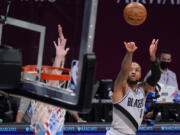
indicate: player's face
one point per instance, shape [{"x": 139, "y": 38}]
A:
[{"x": 135, "y": 72}]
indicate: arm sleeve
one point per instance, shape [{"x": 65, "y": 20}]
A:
[{"x": 155, "y": 74}]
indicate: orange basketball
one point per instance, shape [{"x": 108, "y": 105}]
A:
[{"x": 135, "y": 13}]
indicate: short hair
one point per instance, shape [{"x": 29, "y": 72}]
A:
[
  {"x": 164, "y": 51},
  {"x": 137, "y": 64}
]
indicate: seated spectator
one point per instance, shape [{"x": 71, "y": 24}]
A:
[
  {"x": 168, "y": 80},
  {"x": 167, "y": 83}
]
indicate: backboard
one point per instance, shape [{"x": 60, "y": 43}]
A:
[{"x": 79, "y": 99}]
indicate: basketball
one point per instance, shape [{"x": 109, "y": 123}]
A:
[{"x": 135, "y": 13}]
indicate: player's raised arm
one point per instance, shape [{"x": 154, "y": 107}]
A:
[
  {"x": 152, "y": 80},
  {"x": 60, "y": 47},
  {"x": 120, "y": 86}
]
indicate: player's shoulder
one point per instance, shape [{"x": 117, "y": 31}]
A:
[{"x": 141, "y": 84}]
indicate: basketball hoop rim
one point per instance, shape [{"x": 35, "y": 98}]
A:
[{"x": 32, "y": 69}]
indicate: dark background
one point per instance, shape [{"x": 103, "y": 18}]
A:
[{"x": 163, "y": 22}]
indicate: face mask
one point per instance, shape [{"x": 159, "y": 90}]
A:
[{"x": 164, "y": 65}]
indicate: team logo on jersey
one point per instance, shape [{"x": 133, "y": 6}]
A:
[{"x": 135, "y": 102}]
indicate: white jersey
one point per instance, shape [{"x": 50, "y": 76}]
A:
[{"x": 128, "y": 113}]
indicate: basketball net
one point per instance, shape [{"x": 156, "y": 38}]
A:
[{"x": 45, "y": 114}]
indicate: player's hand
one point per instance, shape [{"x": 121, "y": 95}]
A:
[
  {"x": 130, "y": 46},
  {"x": 61, "y": 51},
  {"x": 153, "y": 48}
]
